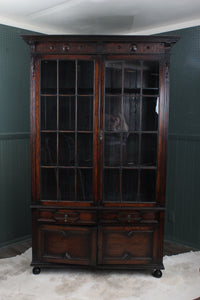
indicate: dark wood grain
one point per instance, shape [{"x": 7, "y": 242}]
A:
[{"x": 98, "y": 233}]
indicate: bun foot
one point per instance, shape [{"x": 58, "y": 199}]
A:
[
  {"x": 157, "y": 273},
  {"x": 36, "y": 270}
]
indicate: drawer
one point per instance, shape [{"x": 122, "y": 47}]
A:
[
  {"x": 68, "y": 245},
  {"x": 63, "y": 216},
  {"x": 135, "y": 217},
  {"x": 126, "y": 245}
]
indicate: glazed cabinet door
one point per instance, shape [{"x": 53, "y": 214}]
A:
[
  {"x": 131, "y": 99},
  {"x": 66, "y": 141}
]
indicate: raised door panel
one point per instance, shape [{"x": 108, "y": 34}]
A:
[
  {"x": 126, "y": 245},
  {"x": 68, "y": 245}
]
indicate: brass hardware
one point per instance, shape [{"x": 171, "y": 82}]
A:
[
  {"x": 67, "y": 255},
  {"x": 133, "y": 48},
  {"x": 101, "y": 135},
  {"x": 66, "y": 48},
  {"x": 66, "y": 218},
  {"x": 129, "y": 218}
]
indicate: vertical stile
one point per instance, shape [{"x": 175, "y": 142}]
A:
[
  {"x": 121, "y": 133},
  {"x": 76, "y": 93},
  {"x": 57, "y": 169},
  {"x": 140, "y": 129},
  {"x": 95, "y": 130}
]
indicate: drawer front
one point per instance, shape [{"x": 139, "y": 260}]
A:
[
  {"x": 135, "y": 217},
  {"x": 126, "y": 245},
  {"x": 68, "y": 245},
  {"x": 62, "y": 216}
]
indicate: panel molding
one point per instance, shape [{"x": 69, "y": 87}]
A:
[
  {"x": 182, "y": 136},
  {"x": 14, "y": 135}
]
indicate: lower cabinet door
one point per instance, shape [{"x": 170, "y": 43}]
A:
[
  {"x": 68, "y": 244},
  {"x": 125, "y": 245}
]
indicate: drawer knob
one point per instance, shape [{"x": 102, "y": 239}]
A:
[{"x": 66, "y": 218}]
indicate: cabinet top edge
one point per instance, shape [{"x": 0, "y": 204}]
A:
[{"x": 169, "y": 39}]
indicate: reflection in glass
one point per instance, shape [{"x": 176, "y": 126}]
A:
[
  {"x": 132, "y": 77},
  {"x": 150, "y": 78},
  {"x": 66, "y": 184},
  {"x": 150, "y": 114},
  {"x": 112, "y": 147},
  {"x": 85, "y": 149},
  {"x": 113, "y": 116},
  {"x": 112, "y": 185},
  {"x": 149, "y": 149},
  {"x": 130, "y": 149},
  {"x": 66, "y": 113},
  {"x": 113, "y": 79},
  {"x": 48, "y": 77},
  {"x": 84, "y": 184},
  {"x": 148, "y": 185},
  {"x": 85, "y": 77},
  {"x": 48, "y": 114},
  {"x": 48, "y": 184},
  {"x": 131, "y": 108},
  {"x": 67, "y": 77},
  {"x": 66, "y": 149},
  {"x": 129, "y": 185},
  {"x": 85, "y": 113},
  {"x": 48, "y": 150}
]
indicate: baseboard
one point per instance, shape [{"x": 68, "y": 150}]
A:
[
  {"x": 15, "y": 241},
  {"x": 182, "y": 243}
]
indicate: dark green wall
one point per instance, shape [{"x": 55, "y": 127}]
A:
[
  {"x": 14, "y": 136},
  {"x": 183, "y": 175}
]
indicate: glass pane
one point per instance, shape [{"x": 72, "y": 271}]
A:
[
  {"x": 131, "y": 108},
  {"x": 112, "y": 185},
  {"x": 150, "y": 114},
  {"x": 48, "y": 113},
  {"x": 66, "y": 149},
  {"x": 48, "y": 77},
  {"x": 130, "y": 149},
  {"x": 132, "y": 77},
  {"x": 113, "y": 80},
  {"x": 85, "y": 149},
  {"x": 150, "y": 78},
  {"x": 67, "y": 75},
  {"x": 85, "y": 113},
  {"x": 48, "y": 184},
  {"x": 48, "y": 151},
  {"x": 85, "y": 184},
  {"x": 149, "y": 149},
  {"x": 129, "y": 185},
  {"x": 66, "y": 184},
  {"x": 67, "y": 113},
  {"x": 113, "y": 116},
  {"x": 85, "y": 77},
  {"x": 112, "y": 145},
  {"x": 148, "y": 185}
]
